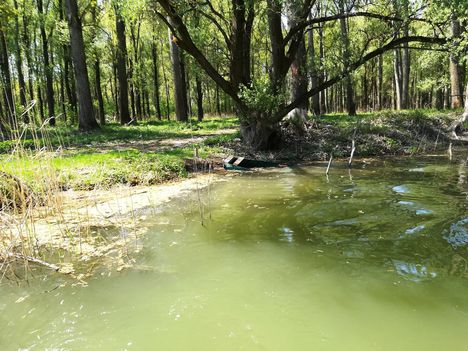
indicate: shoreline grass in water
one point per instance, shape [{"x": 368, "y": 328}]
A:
[{"x": 44, "y": 162}]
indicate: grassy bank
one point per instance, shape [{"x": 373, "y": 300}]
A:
[
  {"x": 374, "y": 134},
  {"x": 149, "y": 153},
  {"x": 154, "y": 152}
]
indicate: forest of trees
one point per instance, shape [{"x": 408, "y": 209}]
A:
[{"x": 86, "y": 62}]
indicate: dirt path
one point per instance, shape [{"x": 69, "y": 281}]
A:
[{"x": 162, "y": 145}]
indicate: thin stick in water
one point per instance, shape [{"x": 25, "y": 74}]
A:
[{"x": 329, "y": 164}]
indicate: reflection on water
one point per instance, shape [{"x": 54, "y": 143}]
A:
[
  {"x": 458, "y": 234},
  {"x": 284, "y": 260},
  {"x": 413, "y": 271}
]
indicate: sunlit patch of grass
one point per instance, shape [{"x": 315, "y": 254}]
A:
[
  {"x": 90, "y": 169},
  {"x": 66, "y": 136}
]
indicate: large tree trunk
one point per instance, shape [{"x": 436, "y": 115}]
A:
[
  {"x": 276, "y": 40},
  {"x": 299, "y": 82},
  {"x": 47, "y": 66},
  {"x": 122, "y": 68},
  {"x": 346, "y": 60},
  {"x": 261, "y": 134},
  {"x": 180, "y": 92},
  {"x": 86, "y": 120},
  {"x": 241, "y": 30}
]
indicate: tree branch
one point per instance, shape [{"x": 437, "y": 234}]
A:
[
  {"x": 352, "y": 67},
  {"x": 185, "y": 42}
]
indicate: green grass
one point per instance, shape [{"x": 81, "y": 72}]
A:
[
  {"x": 383, "y": 132},
  {"x": 67, "y": 136},
  {"x": 90, "y": 169},
  {"x": 60, "y": 158}
]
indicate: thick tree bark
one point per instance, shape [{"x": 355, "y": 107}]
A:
[
  {"x": 299, "y": 83},
  {"x": 47, "y": 66},
  {"x": 276, "y": 40},
  {"x": 241, "y": 30},
  {"x": 86, "y": 120},
  {"x": 351, "y": 106},
  {"x": 122, "y": 68},
  {"x": 180, "y": 92}
]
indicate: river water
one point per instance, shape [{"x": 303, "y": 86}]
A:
[{"x": 375, "y": 258}]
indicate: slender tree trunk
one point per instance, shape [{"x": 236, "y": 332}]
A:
[
  {"x": 346, "y": 60},
  {"x": 405, "y": 64},
  {"x": 47, "y": 66},
  {"x": 199, "y": 98},
  {"x": 3, "y": 122},
  {"x": 69, "y": 79},
  {"x": 62, "y": 67},
  {"x": 180, "y": 92},
  {"x": 132, "y": 89},
  {"x": 19, "y": 65},
  {"x": 116, "y": 90},
  {"x": 188, "y": 92},
  {"x": 7, "y": 88},
  {"x": 157, "y": 103},
  {"x": 323, "y": 100},
  {"x": 314, "y": 77},
  {"x": 86, "y": 120},
  {"x": 62, "y": 93},
  {"x": 122, "y": 68},
  {"x": 455, "y": 69},
  {"x": 380, "y": 83},
  {"x": 166, "y": 89},
  {"x": 97, "y": 74},
  {"x": 29, "y": 61}
]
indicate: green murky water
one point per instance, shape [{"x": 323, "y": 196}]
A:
[{"x": 375, "y": 259}]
